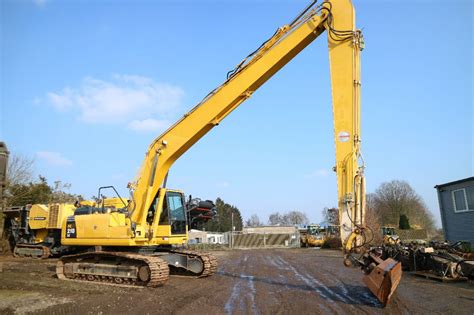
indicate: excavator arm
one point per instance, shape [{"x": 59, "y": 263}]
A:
[{"x": 337, "y": 18}]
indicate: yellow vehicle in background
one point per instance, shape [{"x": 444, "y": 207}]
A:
[
  {"x": 313, "y": 236},
  {"x": 390, "y": 237},
  {"x": 35, "y": 230}
]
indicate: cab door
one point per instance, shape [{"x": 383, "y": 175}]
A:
[{"x": 175, "y": 207}]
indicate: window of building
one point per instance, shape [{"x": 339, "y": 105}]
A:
[
  {"x": 463, "y": 199},
  {"x": 470, "y": 197}
]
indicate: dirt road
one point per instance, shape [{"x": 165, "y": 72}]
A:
[{"x": 277, "y": 281}]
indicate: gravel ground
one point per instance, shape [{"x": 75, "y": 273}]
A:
[{"x": 271, "y": 281}]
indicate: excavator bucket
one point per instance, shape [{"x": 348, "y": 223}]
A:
[{"x": 383, "y": 280}]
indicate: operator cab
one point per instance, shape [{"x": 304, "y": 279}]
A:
[
  {"x": 314, "y": 229},
  {"x": 173, "y": 212}
]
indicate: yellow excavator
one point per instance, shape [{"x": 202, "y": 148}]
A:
[
  {"x": 140, "y": 243},
  {"x": 34, "y": 230}
]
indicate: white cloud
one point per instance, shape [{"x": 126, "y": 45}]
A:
[
  {"x": 148, "y": 125},
  {"x": 318, "y": 173},
  {"x": 62, "y": 101},
  {"x": 40, "y": 3},
  {"x": 54, "y": 158},
  {"x": 127, "y": 99}
]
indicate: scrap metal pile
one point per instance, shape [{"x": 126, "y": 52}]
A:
[
  {"x": 440, "y": 260},
  {"x": 199, "y": 212}
]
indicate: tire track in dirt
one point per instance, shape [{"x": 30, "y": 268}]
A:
[
  {"x": 352, "y": 298},
  {"x": 297, "y": 282},
  {"x": 312, "y": 283},
  {"x": 284, "y": 280},
  {"x": 243, "y": 293},
  {"x": 359, "y": 295}
]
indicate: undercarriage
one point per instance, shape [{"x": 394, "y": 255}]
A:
[
  {"x": 33, "y": 251},
  {"x": 144, "y": 267}
]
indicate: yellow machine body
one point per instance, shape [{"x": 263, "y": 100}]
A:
[
  {"x": 390, "y": 236},
  {"x": 39, "y": 217},
  {"x": 49, "y": 216},
  {"x": 314, "y": 240},
  {"x": 391, "y": 240},
  {"x": 43, "y": 218},
  {"x": 35, "y": 230},
  {"x": 116, "y": 203},
  {"x": 114, "y": 228}
]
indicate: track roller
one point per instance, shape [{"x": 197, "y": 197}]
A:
[{"x": 114, "y": 268}]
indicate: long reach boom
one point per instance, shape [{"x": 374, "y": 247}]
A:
[{"x": 337, "y": 17}]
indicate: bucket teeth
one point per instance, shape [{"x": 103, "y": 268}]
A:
[{"x": 383, "y": 280}]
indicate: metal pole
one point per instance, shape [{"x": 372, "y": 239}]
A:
[{"x": 232, "y": 229}]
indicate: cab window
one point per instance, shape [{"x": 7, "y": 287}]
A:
[
  {"x": 164, "y": 217},
  {"x": 177, "y": 212}
]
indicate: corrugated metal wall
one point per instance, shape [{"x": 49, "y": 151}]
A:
[{"x": 266, "y": 240}]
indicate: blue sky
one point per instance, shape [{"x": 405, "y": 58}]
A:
[{"x": 85, "y": 86}]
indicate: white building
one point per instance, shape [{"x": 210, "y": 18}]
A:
[
  {"x": 204, "y": 237},
  {"x": 197, "y": 237},
  {"x": 216, "y": 238}
]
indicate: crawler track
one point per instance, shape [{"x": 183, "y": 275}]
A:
[
  {"x": 209, "y": 262},
  {"x": 114, "y": 268},
  {"x": 33, "y": 251}
]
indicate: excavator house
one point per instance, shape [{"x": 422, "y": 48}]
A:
[{"x": 141, "y": 243}]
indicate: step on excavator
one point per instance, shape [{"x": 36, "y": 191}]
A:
[{"x": 139, "y": 245}]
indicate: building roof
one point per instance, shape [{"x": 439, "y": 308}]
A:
[{"x": 455, "y": 182}]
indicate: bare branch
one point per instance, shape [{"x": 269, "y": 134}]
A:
[{"x": 20, "y": 170}]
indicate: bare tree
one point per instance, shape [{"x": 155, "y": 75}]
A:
[
  {"x": 59, "y": 194},
  {"x": 20, "y": 170},
  {"x": 331, "y": 215},
  {"x": 253, "y": 221},
  {"x": 289, "y": 218},
  {"x": 275, "y": 218},
  {"x": 373, "y": 218},
  {"x": 396, "y": 198},
  {"x": 23, "y": 188},
  {"x": 295, "y": 217}
]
